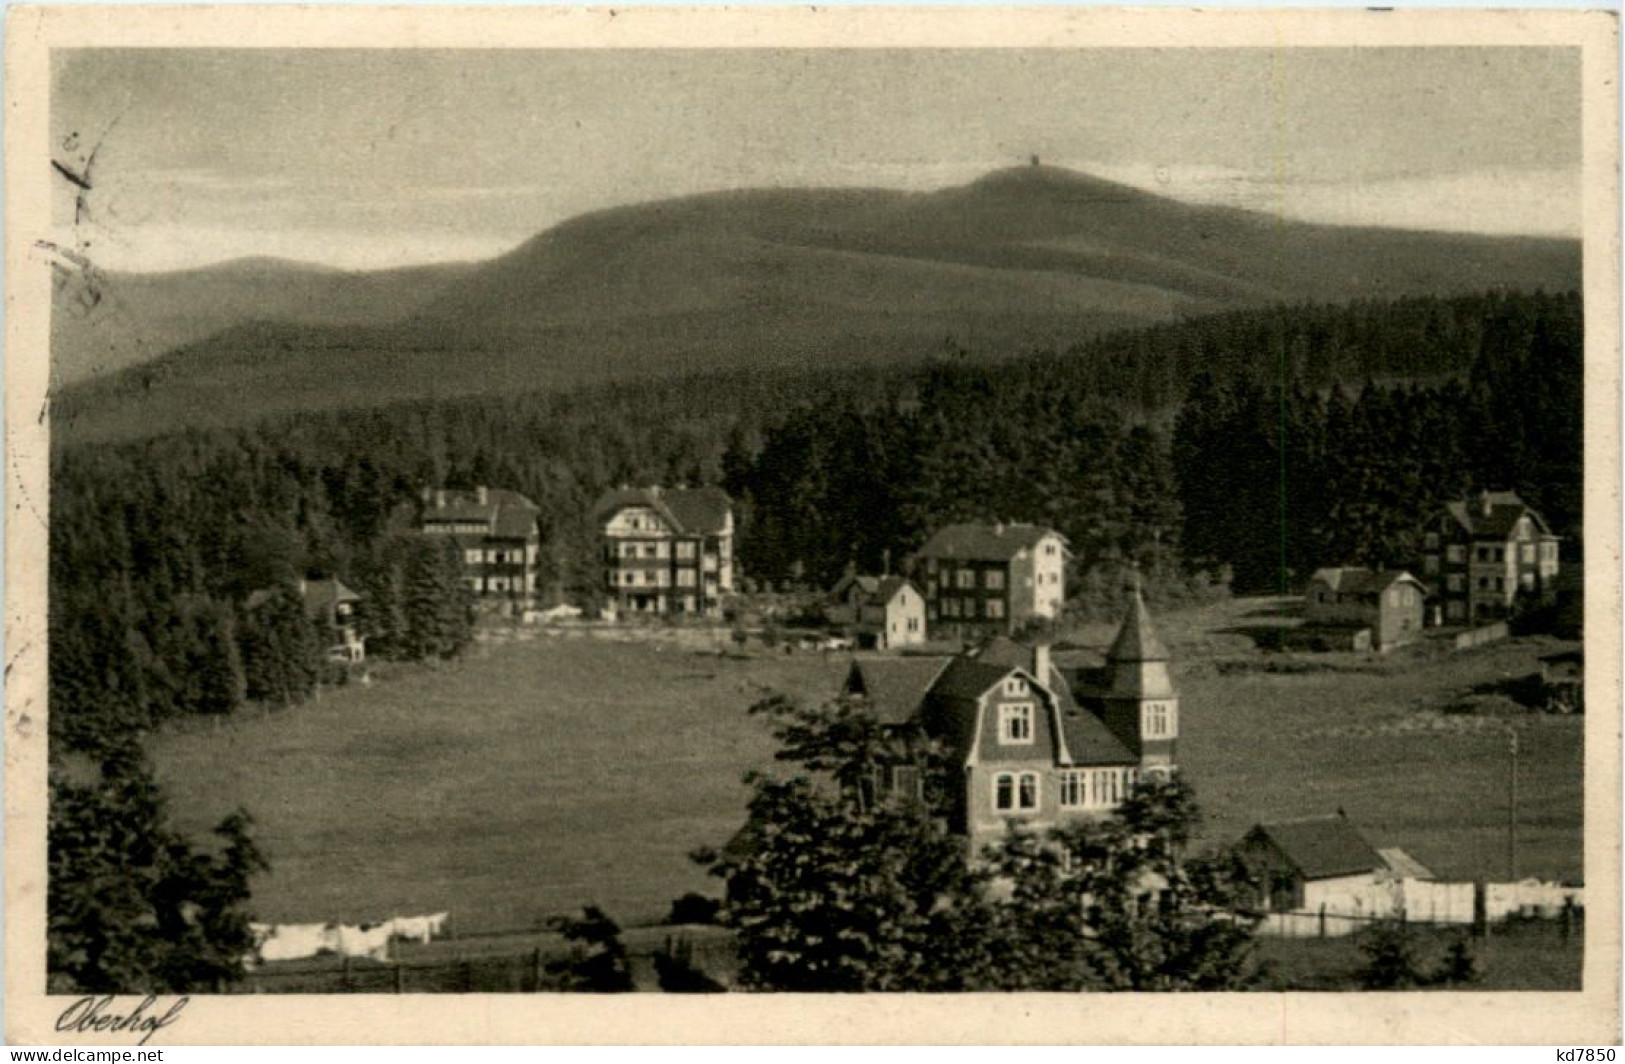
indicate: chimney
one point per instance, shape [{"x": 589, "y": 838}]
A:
[
  {"x": 998, "y": 529},
  {"x": 1484, "y": 503},
  {"x": 885, "y": 562},
  {"x": 482, "y": 496},
  {"x": 302, "y": 586},
  {"x": 440, "y": 498},
  {"x": 1041, "y": 665},
  {"x": 427, "y": 495}
]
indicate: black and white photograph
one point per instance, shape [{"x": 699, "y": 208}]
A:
[{"x": 877, "y": 516}]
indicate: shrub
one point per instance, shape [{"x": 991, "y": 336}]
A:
[
  {"x": 1390, "y": 958},
  {"x": 693, "y": 908},
  {"x": 597, "y": 961},
  {"x": 1459, "y": 967},
  {"x": 678, "y": 974}
]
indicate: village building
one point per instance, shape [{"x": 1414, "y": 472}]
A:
[
  {"x": 883, "y": 612},
  {"x": 666, "y": 551},
  {"x": 988, "y": 579},
  {"x": 331, "y": 608},
  {"x": 496, "y": 534},
  {"x": 1033, "y": 742},
  {"x": 1479, "y": 554},
  {"x": 1358, "y": 609},
  {"x": 1323, "y": 862}
]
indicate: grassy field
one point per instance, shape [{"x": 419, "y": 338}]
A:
[
  {"x": 1262, "y": 740},
  {"x": 524, "y": 781},
  {"x": 540, "y": 775},
  {"x": 1516, "y": 956}
]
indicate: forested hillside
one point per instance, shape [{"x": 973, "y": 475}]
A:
[
  {"x": 1035, "y": 257},
  {"x": 104, "y": 321},
  {"x": 1283, "y": 458}
]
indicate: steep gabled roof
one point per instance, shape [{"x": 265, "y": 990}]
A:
[
  {"x": 888, "y": 588},
  {"x": 318, "y": 596},
  {"x": 1137, "y": 639},
  {"x": 865, "y": 584},
  {"x": 1084, "y": 737},
  {"x": 690, "y": 511},
  {"x": 967, "y": 678},
  {"x": 1340, "y": 578},
  {"x": 1090, "y": 742},
  {"x": 985, "y": 542},
  {"x": 1403, "y": 864},
  {"x": 1505, "y": 508},
  {"x": 899, "y": 689},
  {"x": 325, "y": 594},
  {"x": 507, "y": 514},
  {"x": 895, "y": 687},
  {"x": 1321, "y": 847},
  {"x": 1014, "y": 654},
  {"x": 1002, "y": 650},
  {"x": 1356, "y": 581},
  {"x": 701, "y": 511}
]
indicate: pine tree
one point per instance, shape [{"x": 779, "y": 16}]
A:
[
  {"x": 280, "y": 649},
  {"x": 381, "y": 613},
  {"x": 436, "y": 601}
]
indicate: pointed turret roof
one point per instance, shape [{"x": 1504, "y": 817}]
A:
[{"x": 1137, "y": 640}]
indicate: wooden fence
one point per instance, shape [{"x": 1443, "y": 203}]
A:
[
  {"x": 477, "y": 972},
  {"x": 1477, "y": 637},
  {"x": 1427, "y": 903},
  {"x": 486, "y": 964}
]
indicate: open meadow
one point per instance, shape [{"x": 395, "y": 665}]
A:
[
  {"x": 1275, "y": 736},
  {"x": 523, "y": 781},
  {"x": 540, "y": 774}
]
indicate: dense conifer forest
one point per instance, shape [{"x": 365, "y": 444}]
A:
[{"x": 1247, "y": 449}]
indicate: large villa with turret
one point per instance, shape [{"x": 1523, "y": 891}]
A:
[{"x": 1038, "y": 743}]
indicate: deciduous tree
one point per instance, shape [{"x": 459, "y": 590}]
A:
[{"x": 133, "y": 906}]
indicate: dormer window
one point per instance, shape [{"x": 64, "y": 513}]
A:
[{"x": 1016, "y": 723}]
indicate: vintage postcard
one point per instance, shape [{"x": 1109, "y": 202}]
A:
[{"x": 946, "y": 526}]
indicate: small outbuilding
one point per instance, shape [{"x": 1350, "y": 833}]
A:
[
  {"x": 1311, "y": 862},
  {"x": 884, "y": 612},
  {"x": 1342, "y": 603}
]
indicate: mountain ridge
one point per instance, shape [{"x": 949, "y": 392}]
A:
[{"x": 1018, "y": 258}]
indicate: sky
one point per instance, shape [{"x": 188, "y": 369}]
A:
[{"x": 376, "y": 158}]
